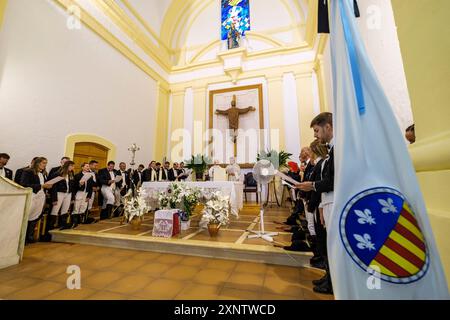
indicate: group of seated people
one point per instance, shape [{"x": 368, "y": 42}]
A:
[{"x": 65, "y": 195}]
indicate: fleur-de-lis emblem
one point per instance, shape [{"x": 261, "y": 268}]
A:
[
  {"x": 365, "y": 217},
  {"x": 388, "y": 205},
  {"x": 365, "y": 242}
]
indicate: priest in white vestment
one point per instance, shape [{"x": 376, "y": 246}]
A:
[{"x": 233, "y": 170}]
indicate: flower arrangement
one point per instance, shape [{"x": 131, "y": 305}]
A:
[
  {"x": 180, "y": 196},
  {"x": 216, "y": 210},
  {"x": 135, "y": 205},
  {"x": 278, "y": 159}
]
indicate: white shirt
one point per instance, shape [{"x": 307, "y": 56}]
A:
[
  {"x": 67, "y": 184},
  {"x": 113, "y": 177},
  {"x": 41, "y": 178},
  {"x": 93, "y": 175},
  {"x": 123, "y": 177}
]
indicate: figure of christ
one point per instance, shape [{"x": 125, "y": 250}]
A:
[{"x": 233, "y": 115}]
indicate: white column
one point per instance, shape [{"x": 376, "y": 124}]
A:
[
  {"x": 188, "y": 122},
  {"x": 291, "y": 125}
]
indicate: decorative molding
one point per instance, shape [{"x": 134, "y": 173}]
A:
[
  {"x": 112, "y": 10},
  {"x": 3, "y": 4},
  {"x": 71, "y": 140}
]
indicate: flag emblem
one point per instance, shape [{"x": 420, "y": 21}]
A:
[{"x": 380, "y": 232}]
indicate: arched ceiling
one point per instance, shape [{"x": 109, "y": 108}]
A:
[{"x": 183, "y": 34}]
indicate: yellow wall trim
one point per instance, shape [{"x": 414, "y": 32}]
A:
[
  {"x": 3, "y": 4},
  {"x": 71, "y": 140}
]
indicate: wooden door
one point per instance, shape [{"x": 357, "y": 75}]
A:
[{"x": 87, "y": 151}]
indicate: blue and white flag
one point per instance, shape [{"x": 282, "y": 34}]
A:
[{"x": 380, "y": 242}]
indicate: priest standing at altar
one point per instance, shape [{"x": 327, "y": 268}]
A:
[{"x": 233, "y": 170}]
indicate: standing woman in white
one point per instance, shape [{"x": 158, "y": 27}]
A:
[
  {"x": 62, "y": 193},
  {"x": 34, "y": 178}
]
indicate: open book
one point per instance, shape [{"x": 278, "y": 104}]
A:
[
  {"x": 288, "y": 180},
  {"x": 55, "y": 180}
]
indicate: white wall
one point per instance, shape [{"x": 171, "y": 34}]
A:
[
  {"x": 55, "y": 82},
  {"x": 379, "y": 33}
]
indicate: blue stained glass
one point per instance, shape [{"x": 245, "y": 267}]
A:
[{"x": 235, "y": 12}]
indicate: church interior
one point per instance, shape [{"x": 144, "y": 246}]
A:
[{"x": 163, "y": 81}]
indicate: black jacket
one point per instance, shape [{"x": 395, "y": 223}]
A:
[
  {"x": 85, "y": 187},
  {"x": 18, "y": 175},
  {"x": 308, "y": 171},
  {"x": 61, "y": 186},
  {"x": 327, "y": 182},
  {"x": 54, "y": 172},
  {"x": 8, "y": 173},
  {"x": 181, "y": 171},
  {"x": 323, "y": 22},
  {"x": 136, "y": 178},
  {"x": 104, "y": 177},
  {"x": 172, "y": 174},
  {"x": 29, "y": 179},
  {"x": 313, "y": 198},
  {"x": 126, "y": 179},
  {"x": 147, "y": 175},
  {"x": 165, "y": 176}
]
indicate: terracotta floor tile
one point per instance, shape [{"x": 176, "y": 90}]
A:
[
  {"x": 283, "y": 272},
  {"x": 275, "y": 285},
  {"x": 245, "y": 281},
  {"x": 270, "y": 297},
  {"x": 146, "y": 256},
  {"x": 6, "y": 290},
  {"x": 37, "y": 291},
  {"x": 129, "y": 284},
  {"x": 235, "y": 294},
  {"x": 194, "y": 261},
  {"x": 105, "y": 295},
  {"x": 154, "y": 268},
  {"x": 67, "y": 294},
  {"x": 251, "y": 267},
  {"x": 199, "y": 292},
  {"x": 311, "y": 274},
  {"x": 311, "y": 295},
  {"x": 124, "y": 253},
  {"x": 180, "y": 272},
  {"x": 101, "y": 279},
  {"x": 161, "y": 289},
  {"x": 211, "y": 277},
  {"x": 103, "y": 262},
  {"x": 21, "y": 282},
  {"x": 169, "y": 258},
  {"x": 128, "y": 265},
  {"x": 221, "y": 264}
]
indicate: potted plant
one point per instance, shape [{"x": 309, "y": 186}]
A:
[
  {"x": 135, "y": 207},
  {"x": 215, "y": 213},
  {"x": 198, "y": 164},
  {"x": 278, "y": 159}
]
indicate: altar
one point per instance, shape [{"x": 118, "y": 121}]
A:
[{"x": 233, "y": 189}]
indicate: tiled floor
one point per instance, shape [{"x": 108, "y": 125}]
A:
[
  {"x": 235, "y": 232},
  {"x": 108, "y": 273}
]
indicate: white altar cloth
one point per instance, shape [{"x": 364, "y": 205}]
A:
[{"x": 232, "y": 189}]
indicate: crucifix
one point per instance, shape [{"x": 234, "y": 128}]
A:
[
  {"x": 133, "y": 150},
  {"x": 233, "y": 115}
]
